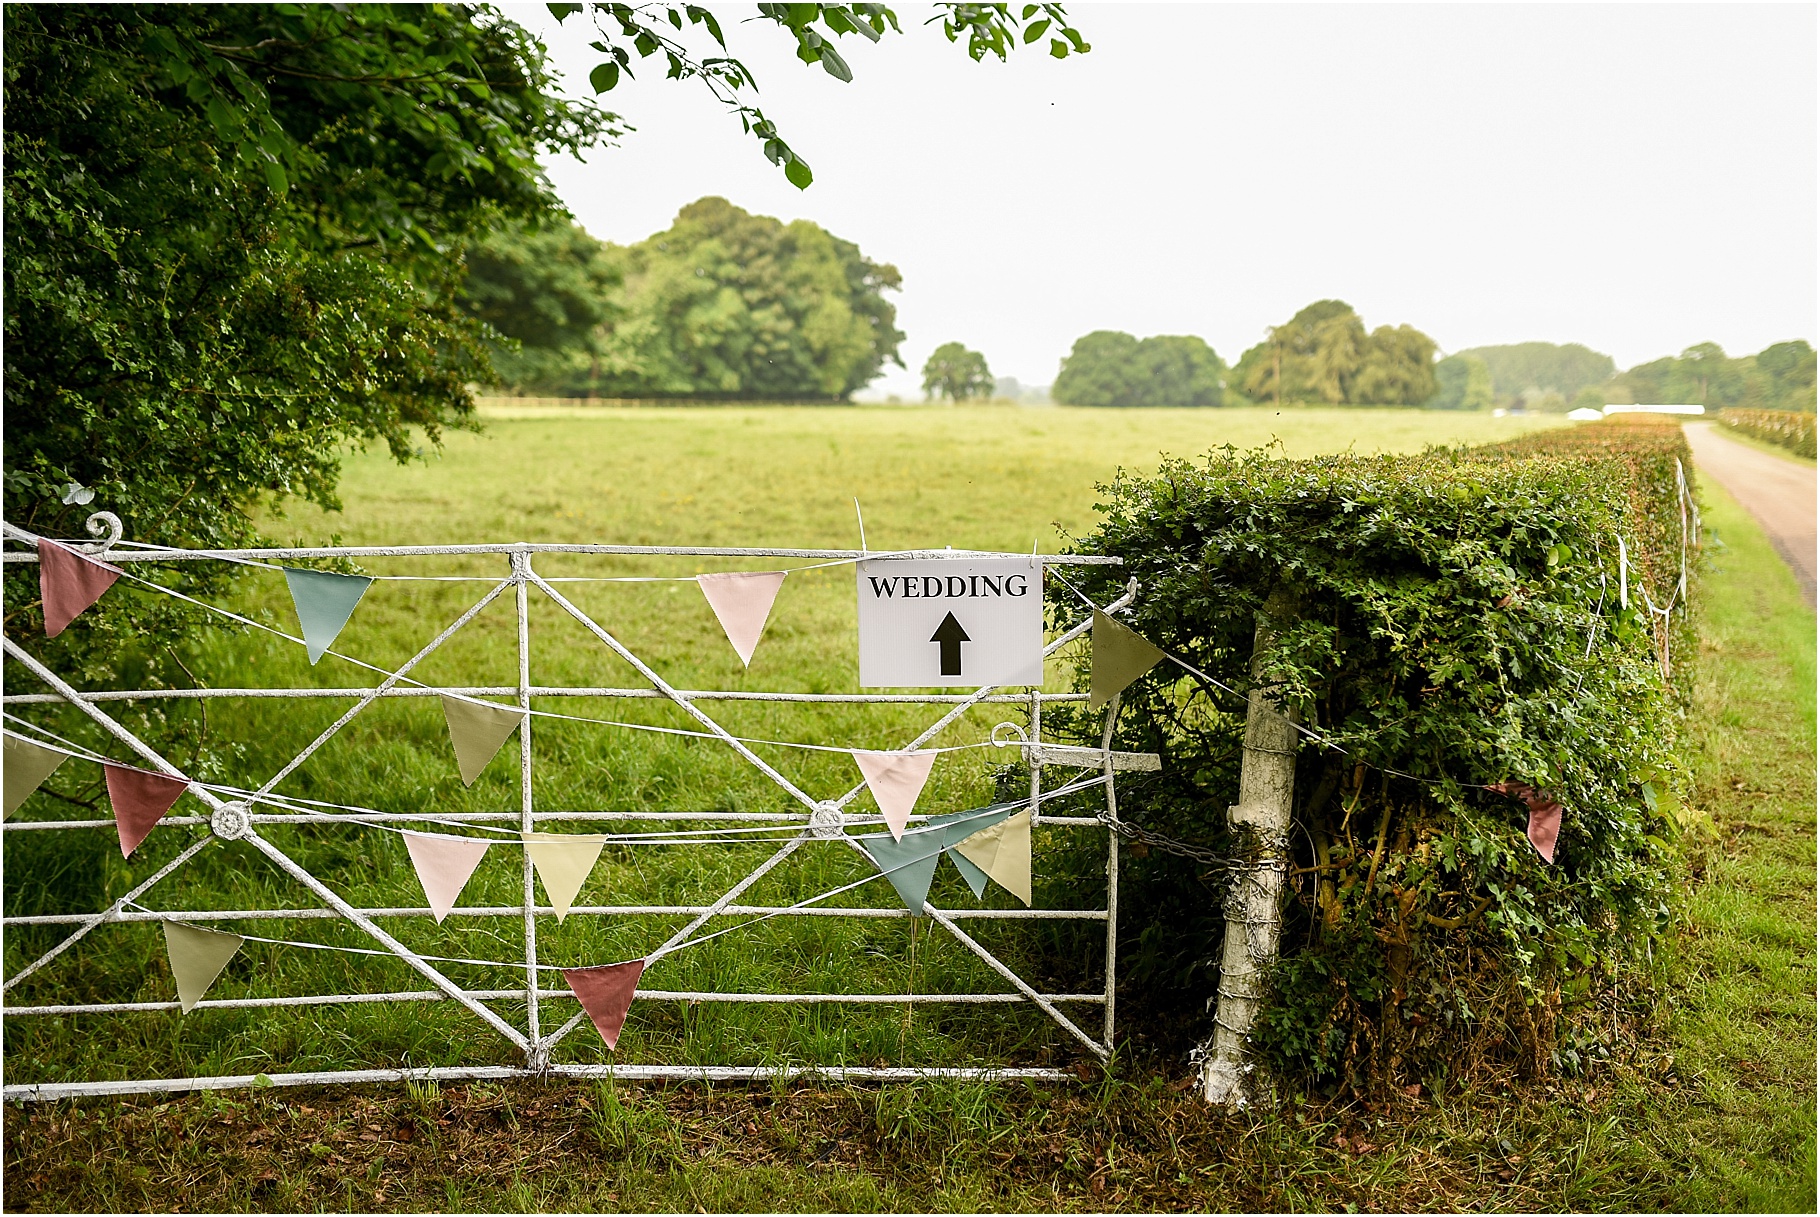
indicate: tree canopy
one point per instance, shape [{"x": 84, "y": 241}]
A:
[
  {"x": 234, "y": 237},
  {"x": 663, "y": 32},
  {"x": 1526, "y": 370},
  {"x": 1462, "y": 382},
  {"x": 1323, "y": 355},
  {"x": 727, "y": 304},
  {"x": 1112, "y": 368},
  {"x": 954, "y": 373},
  {"x": 546, "y": 290},
  {"x": 226, "y": 242}
]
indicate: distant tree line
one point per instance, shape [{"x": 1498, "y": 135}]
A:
[
  {"x": 1322, "y": 355},
  {"x": 1547, "y": 377},
  {"x": 722, "y": 304},
  {"x": 728, "y": 305}
]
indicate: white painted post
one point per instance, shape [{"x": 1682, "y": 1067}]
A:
[{"x": 1254, "y": 920}]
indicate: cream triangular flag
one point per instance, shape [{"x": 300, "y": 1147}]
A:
[
  {"x": 27, "y": 765},
  {"x": 197, "y": 957},
  {"x": 444, "y": 865},
  {"x": 742, "y": 601},
  {"x": 895, "y": 779},
  {"x": 563, "y": 862},
  {"x": 478, "y": 730},
  {"x": 1003, "y": 852},
  {"x": 1120, "y": 656}
]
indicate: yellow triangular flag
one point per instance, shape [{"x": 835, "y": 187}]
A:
[
  {"x": 478, "y": 730},
  {"x": 27, "y": 765},
  {"x": 197, "y": 957},
  {"x": 563, "y": 862},
  {"x": 1120, "y": 656},
  {"x": 1003, "y": 852}
]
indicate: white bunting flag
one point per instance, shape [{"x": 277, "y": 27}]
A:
[
  {"x": 742, "y": 601},
  {"x": 444, "y": 866},
  {"x": 895, "y": 779}
]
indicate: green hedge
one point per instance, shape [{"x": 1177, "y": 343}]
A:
[
  {"x": 1452, "y": 624},
  {"x": 1785, "y": 428}
]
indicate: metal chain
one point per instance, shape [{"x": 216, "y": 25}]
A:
[{"x": 1169, "y": 845}]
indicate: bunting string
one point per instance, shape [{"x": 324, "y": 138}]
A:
[
  {"x": 354, "y": 813},
  {"x": 546, "y": 967}
]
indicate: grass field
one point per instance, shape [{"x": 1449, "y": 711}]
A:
[{"x": 1717, "y": 1115}]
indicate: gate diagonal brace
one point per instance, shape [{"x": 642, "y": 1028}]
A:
[
  {"x": 992, "y": 961},
  {"x": 229, "y": 813},
  {"x": 148, "y": 753},
  {"x": 664, "y": 687},
  {"x": 682, "y": 935},
  {"x": 384, "y": 685},
  {"x": 410, "y": 957}
]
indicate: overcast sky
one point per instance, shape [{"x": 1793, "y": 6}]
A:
[{"x": 1634, "y": 177}]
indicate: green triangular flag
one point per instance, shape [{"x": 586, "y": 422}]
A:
[
  {"x": 975, "y": 877},
  {"x": 478, "y": 730},
  {"x": 197, "y": 957},
  {"x": 909, "y": 863},
  {"x": 1120, "y": 656},
  {"x": 27, "y": 765},
  {"x": 324, "y": 602}
]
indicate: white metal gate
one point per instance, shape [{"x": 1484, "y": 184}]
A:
[{"x": 251, "y": 813}]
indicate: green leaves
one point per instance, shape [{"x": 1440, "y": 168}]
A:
[
  {"x": 1457, "y": 621},
  {"x": 835, "y": 67},
  {"x": 228, "y": 244},
  {"x": 723, "y": 304},
  {"x": 990, "y": 28},
  {"x": 954, "y": 373}
]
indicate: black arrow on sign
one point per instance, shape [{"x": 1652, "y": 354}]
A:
[{"x": 950, "y": 634}]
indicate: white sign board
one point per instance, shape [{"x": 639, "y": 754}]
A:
[{"x": 950, "y": 621}]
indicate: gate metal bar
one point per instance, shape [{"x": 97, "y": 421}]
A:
[{"x": 241, "y": 824}]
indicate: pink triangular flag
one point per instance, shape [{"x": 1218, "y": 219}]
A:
[
  {"x": 606, "y": 994},
  {"x": 742, "y": 600},
  {"x": 1544, "y": 816},
  {"x": 69, "y": 582},
  {"x": 444, "y": 865},
  {"x": 895, "y": 779},
  {"x": 140, "y": 800}
]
